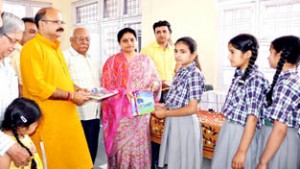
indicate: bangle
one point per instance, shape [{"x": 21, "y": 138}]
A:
[{"x": 69, "y": 96}]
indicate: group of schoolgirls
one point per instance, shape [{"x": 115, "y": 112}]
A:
[{"x": 262, "y": 129}]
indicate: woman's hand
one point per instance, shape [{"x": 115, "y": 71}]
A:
[
  {"x": 129, "y": 96},
  {"x": 154, "y": 86},
  {"x": 238, "y": 161}
]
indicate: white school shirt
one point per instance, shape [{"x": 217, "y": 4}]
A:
[{"x": 85, "y": 74}]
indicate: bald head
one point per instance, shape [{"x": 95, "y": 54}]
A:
[{"x": 80, "y": 40}]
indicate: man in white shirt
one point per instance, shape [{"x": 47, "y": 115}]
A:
[
  {"x": 11, "y": 30},
  {"x": 85, "y": 74}
]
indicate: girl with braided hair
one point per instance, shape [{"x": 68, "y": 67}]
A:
[
  {"x": 279, "y": 138},
  {"x": 21, "y": 119},
  {"x": 236, "y": 145}
]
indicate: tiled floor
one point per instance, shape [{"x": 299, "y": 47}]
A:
[{"x": 100, "y": 162}]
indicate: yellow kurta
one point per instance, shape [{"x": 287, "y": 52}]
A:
[
  {"x": 43, "y": 69},
  {"x": 163, "y": 59}
]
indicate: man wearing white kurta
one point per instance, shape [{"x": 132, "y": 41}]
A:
[{"x": 85, "y": 74}]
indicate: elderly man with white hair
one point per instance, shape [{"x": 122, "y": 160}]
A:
[
  {"x": 11, "y": 30},
  {"x": 85, "y": 74}
]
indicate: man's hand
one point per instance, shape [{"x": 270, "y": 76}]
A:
[
  {"x": 18, "y": 155},
  {"x": 80, "y": 97}
]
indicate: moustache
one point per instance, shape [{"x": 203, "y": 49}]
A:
[{"x": 60, "y": 30}]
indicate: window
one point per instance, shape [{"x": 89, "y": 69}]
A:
[
  {"x": 22, "y": 8},
  {"x": 87, "y": 13},
  {"x": 110, "y": 9},
  {"x": 131, "y": 7},
  {"x": 110, "y": 42},
  {"x": 265, "y": 19}
]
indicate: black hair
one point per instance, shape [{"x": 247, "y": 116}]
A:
[
  {"x": 191, "y": 43},
  {"x": 244, "y": 43},
  {"x": 162, "y": 23},
  {"x": 289, "y": 46},
  {"x": 125, "y": 30},
  {"x": 40, "y": 15},
  {"x": 21, "y": 112},
  {"x": 28, "y": 19}
]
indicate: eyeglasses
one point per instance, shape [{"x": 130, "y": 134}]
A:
[
  {"x": 54, "y": 21},
  {"x": 11, "y": 40},
  {"x": 81, "y": 39}
]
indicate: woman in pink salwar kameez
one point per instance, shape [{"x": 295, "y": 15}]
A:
[{"x": 127, "y": 138}]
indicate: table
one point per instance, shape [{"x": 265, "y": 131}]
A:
[{"x": 211, "y": 124}]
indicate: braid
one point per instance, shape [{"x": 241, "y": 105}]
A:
[
  {"x": 250, "y": 64},
  {"x": 33, "y": 163},
  {"x": 279, "y": 67},
  {"x": 196, "y": 60}
]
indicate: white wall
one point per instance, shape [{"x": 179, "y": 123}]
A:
[{"x": 195, "y": 18}]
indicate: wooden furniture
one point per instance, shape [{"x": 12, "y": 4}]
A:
[{"x": 211, "y": 123}]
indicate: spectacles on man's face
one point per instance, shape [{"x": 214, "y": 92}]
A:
[
  {"x": 11, "y": 40},
  {"x": 81, "y": 38},
  {"x": 59, "y": 22}
]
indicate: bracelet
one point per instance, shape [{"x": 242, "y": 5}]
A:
[{"x": 69, "y": 96}]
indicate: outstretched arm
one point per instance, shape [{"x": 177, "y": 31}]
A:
[{"x": 191, "y": 108}]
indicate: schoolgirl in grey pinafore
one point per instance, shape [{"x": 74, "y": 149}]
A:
[
  {"x": 243, "y": 99},
  {"x": 181, "y": 145},
  {"x": 285, "y": 109}
]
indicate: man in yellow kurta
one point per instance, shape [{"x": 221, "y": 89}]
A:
[{"x": 59, "y": 139}]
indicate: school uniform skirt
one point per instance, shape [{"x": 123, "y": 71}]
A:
[
  {"x": 227, "y": 144},
  {"x": 288, "y": 154},
  {"x": 181, "y": 145}
]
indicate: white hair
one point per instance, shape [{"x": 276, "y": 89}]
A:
[{"x": 11, "y": 24}]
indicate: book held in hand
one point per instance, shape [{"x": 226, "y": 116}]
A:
[
  {"x": 101, "y": 93},
  {"x": 142, "y": 103}
]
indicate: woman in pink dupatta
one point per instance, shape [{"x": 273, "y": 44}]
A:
[{"x": 127, "y": 138}]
